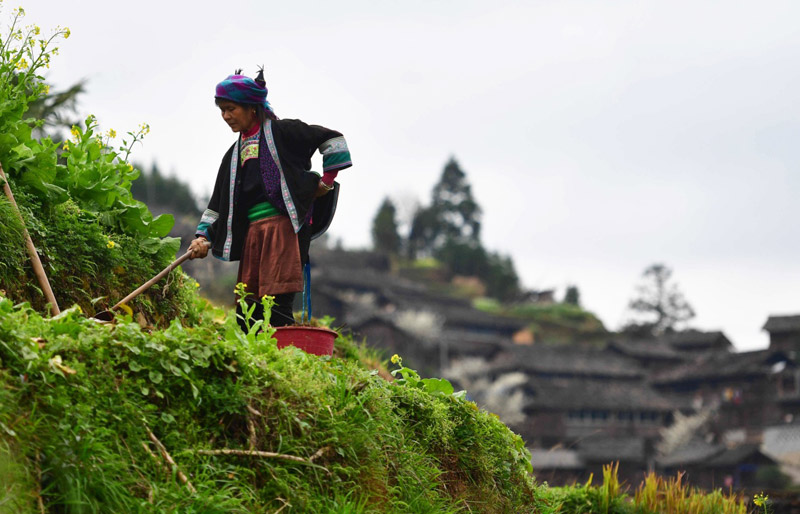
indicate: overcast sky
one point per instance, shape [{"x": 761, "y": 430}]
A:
[{"x": 599, "y": 137}]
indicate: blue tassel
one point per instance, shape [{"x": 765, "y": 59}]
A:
[{"x": 306, "y": 291}]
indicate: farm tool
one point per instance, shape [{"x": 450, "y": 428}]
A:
[
  {"x": 38, "y": 269},
  {"x": 108, "y": 315}
]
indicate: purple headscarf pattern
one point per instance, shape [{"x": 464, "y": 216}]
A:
[{"x": 243, "y": 90}]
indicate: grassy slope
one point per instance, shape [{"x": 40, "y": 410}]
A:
[{"x": 78, "y": 400}]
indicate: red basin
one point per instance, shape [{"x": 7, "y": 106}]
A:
[{"x": 313, "y": 340}]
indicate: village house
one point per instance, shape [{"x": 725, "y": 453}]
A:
[
  {"x": 580, "y": 406},
  {"x": 784, "y": 332}
]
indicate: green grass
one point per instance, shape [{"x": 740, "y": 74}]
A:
[
  {"x": 86, "y": 395},
  {"x": 79, "y": 400},
  {"x": 552, "y": 322}
]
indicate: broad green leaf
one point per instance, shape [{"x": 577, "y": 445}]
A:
[
  {"x": 150, "y": 245},
  {"x": 161, "y": 225},
  {"x": 438, "y": 386}
]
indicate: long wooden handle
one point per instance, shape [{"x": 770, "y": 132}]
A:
[
  {"x": 38, "y": 269},
  {"x": 144, "y": 287}
]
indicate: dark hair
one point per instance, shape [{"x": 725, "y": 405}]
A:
[{"x": 261, "y": 112}]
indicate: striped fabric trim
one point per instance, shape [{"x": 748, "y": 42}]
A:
[
  {"x": 287, "y": 197},
  {"x": 226, "y": 250},
  {"x": 206, "y": 220},
  {"x": 335, "y": 154}
]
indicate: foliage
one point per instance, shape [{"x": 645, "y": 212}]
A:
[
  {"x": 655, "y": 495},
  {"x": 453, "y": 216},
  {"x": 411, "y": 378},
  {"x": 84, "y": 397},
  {"x": 56, "y": 109},
  {"x": 449, "y": 230},
  {"x": 660, "y": 300},
  {"x": 552, "y": 322},
  {"x": 95, "y": 239},
  {"x": 572, "y": 295},
  {"x": 385, "y": 237}
]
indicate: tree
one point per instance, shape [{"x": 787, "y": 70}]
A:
[
  {"x": 54, "y": 109},
  {"x": 502, "y": 281},
  {"x": 572, "y": 296},
  {"x": 449, "y": 229},
  {"x": 659, "y": 300},
  {"x": 459, "y": 215},
  {"x": 453, "y": 216},
  {"x": 384, "y": 229}
]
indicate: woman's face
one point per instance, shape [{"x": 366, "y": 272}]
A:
[{"x": 239, "y": 118}]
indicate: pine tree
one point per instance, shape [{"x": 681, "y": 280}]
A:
[
  {"x": 385, "y": 237},
  {"x": 453, "y": 218},
  {"x": 572, "y": 296}
]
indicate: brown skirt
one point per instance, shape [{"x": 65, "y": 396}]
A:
[{"x": 270, "y": 261}]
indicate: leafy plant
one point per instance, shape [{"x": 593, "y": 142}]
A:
[
  {"x": 433, "y": 386},
  {"x": 74, "y": 197}
]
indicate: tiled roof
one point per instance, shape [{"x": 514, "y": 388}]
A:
[
  {"x": 566, "y": 360},
  {"x": 783, "y": 323},
  {"x": 405, "y": 294},
  {"x": 646, "y": 349},
  {"x": 594, "y": 394},
  {"x": 722, "y": 365},
  {"x": 733, "y": 456},
  {"x": 610, "y": 449},
  {"x": 694, "y": 339},
  {"x": 709, "y": 455}
]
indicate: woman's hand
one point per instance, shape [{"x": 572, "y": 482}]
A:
[
  {"x": 199, "y": 248},
  {"x": 322, "y": 189}
]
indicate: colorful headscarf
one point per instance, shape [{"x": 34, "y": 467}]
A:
[{"x": 243, "y": 90}]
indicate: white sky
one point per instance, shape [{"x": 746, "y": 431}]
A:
[{"x": 599, "y": 137}]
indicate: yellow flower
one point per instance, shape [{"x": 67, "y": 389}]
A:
[
  {"x": 22, "y": 64},
  {"x": 130, "y": 167},
  {"x": 760, "y": 499},
  {"x": 66, "y": 32},
  {"x": 36, "y": 30},
  {"x": 197, "y": 284},
  {"x": 111, "y": 244},
  {"x": 65, "y": 146},
  {"x": 395, "y": 359},
  {"x": 45, "y": 89},
  {"x": 76, "y": 133},
  {"x": 112, "y": 133}
]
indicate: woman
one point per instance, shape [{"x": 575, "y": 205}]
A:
[{"x": 267, "y": 205}]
